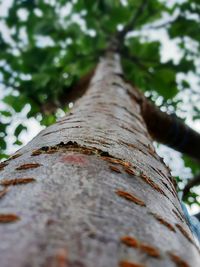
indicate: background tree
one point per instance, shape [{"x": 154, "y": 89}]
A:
[{"x": 52, "y": 48}]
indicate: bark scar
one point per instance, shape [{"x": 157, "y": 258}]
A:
[
  {"x": 185, "y": 233},
  {"x": 163, "y": 221},
  {"x": 152, "y": 184},
  {"x": 28, "y": 166},
  {"x": 114, "y": 168},
  {"x": 130, "y": 197},
  {"x": 130, "y": 264},
  {"x": 177, "y": 260},
  {"x": 148, "y": 249},
  {"x": 17, "y": 181},
  {"x": 9, "y": 218}
]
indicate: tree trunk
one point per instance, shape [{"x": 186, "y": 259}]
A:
[{"x": 90, "y": 191}]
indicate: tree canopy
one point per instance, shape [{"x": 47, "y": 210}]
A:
[{"x": 47, "y": 46}]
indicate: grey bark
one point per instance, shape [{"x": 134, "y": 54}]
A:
[{"x": 90, "y": 191}]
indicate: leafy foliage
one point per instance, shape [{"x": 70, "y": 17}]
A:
[{"x": 47, "y": 46}]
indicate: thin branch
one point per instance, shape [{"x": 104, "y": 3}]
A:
[
  {"x": 130, "y": 26},
  {"x": 160, "y": 26},
  {"x": 170, "y": 130}
]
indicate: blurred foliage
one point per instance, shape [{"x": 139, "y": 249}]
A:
[{"x": 46, "y": 46}]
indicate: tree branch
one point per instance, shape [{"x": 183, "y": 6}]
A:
[
  {"x": 160, "y": 26},
  {"x": 171, "y": 131},
  {"x": 130, "y": 26}
]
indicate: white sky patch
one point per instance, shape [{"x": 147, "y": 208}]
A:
[
  {"x": 5, "y": 31},
  {"x": 65, "y": 10},
  {"x": 4, "y": 6},
  {"x": 22, "y": 14},
  {"x": 170, "y": 3},
  {"x": 124, "y": 2},
  {"x": 44, "y": 41},
  {"x": 38, "y": 12}
]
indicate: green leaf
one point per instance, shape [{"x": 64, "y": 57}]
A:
[
  {"x": 191, "y": 164},
  {"x": 6, "y": 113},
  {"x": 18, "y": 143},
  {"x": 19, "y": 129},
  {"x": 3, "y": 144},
  {"x": 17, "y": 103},
  {"x": 184, "y": 26},
  {"x": 48, "y": 120}
]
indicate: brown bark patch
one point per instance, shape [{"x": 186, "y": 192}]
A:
[
  {"x": 148, "y": 249},
  {"x": 151, "y": 251},
  {"x": 36, "y": 152},
  {"x": 130, "y": 241},
  {"x": 164, "y": 222},
  {"x": 15, "y": 156},
  {"x": 130, "y": 264},
  {"x": 178, "y": 261},
  {"x": 117, "y": 161},
  {"x": 152, "y": 184},
  {"x": 130, "y": 197},
  {"x": 114, "y": 168},
  {"x": 28, "y": 166},
  {"x": 52, "y": 151},
  {"x": 3, "y": 192},
  {"x": 111, "y": 160},
  {"x": 9, "y": 218},
  {"x": 129, "y": 170},
  {"x": 3, "y": 165},
  {"x": 17, "y": 181},
  {"x": 60, "y": 259},
  {"x": 184, "y": 232}
]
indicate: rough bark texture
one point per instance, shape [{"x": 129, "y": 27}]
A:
[{"x": 90, "y": 190}]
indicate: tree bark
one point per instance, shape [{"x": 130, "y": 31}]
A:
[{"x": 90, "y": 191}]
